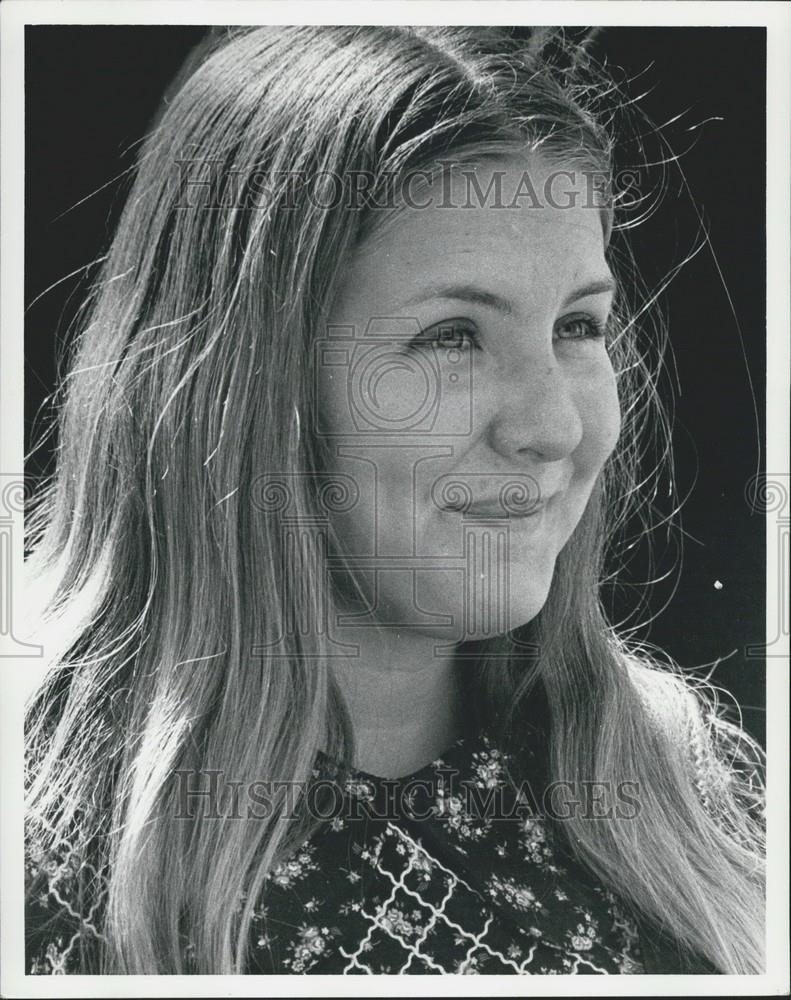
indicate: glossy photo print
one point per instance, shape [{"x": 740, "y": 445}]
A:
[{"x": 396, "y": 503}]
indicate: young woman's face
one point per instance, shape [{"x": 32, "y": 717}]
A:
[{"x": 466, "y": 395}]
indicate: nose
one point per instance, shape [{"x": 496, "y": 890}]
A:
[{"x": 536, "y": 416}]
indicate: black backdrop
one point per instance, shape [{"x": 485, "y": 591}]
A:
[{"x": 91, "y": 92}]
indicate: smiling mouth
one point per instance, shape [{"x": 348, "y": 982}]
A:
[{"x": 497, "y": 512}]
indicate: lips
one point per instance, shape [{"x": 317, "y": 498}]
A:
[
  {"x": 489, "y": 509},
  {"x": 515, "y": 496},
  {"x": 505, "y": 507}
]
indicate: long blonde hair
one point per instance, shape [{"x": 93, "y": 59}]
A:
[{"x": 165, "y": 605}]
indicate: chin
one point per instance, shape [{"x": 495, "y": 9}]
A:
[{"x": 477, "y": 609}]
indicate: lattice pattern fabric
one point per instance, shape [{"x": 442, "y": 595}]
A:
[
  {"x": 463, "y": 876},
  {"x": 450, "y": 870}
]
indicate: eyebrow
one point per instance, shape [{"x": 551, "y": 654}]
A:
[{"x": 480, "y": 297}]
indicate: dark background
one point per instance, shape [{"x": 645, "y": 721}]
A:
[{"x": 90, "y": 95}]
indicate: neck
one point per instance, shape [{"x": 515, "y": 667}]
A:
[{"x": 404, "y": 701}]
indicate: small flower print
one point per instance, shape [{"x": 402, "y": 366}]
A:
[
  {"x": 289, "y": 872},
  {"x": 395, "y": 921},
  {"x": 519, "y": 896},
  {"x": 310, "y": 945},
  {"x": 360, "y": 789},
  {"x": 468, "y": 966},
  {"x": 586, "y": 934}
]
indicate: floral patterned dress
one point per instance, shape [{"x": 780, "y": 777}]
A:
[{"x": 450, "y": 870}]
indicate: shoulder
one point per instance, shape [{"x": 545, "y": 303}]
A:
[
  {"x": 677, "y": 706},
  {"x": 721, "y": 759},
  {"x": 667, "y": 697}
]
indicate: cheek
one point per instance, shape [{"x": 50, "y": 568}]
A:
[
  {"x": 331, "y": 405},
  {"x": 600, "y": 413}
]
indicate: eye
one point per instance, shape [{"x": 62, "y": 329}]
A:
[
  {"x": 449, "y": 334},
  {"x": 580, "y": 328}
]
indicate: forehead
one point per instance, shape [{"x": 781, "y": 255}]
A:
[{"x": 519, "y": 224}]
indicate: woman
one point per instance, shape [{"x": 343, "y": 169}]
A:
[{"x": 355, "y": 410}]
